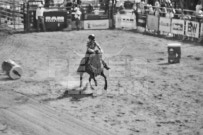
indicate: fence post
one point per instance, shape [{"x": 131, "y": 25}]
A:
[
  {"x": 200, "y": 31},
  {"x": 14, "y": 7},
  {"x": 159, "y": 33},
  {"x": 0, "y": 17},
  {"x": 28, "y": 17},
  {"x": 24, "y": 10},
  {"x": 112, "y": 16},
  {"x": 0, "y": 14}
]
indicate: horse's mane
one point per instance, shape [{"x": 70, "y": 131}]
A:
[
  {"x": 96, "y": 60},
  {"x": 95, "y": 63}
]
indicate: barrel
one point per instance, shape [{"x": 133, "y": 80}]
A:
[
  {"x": 174, "y": 53},
  {"x": 13, "y": 70}
]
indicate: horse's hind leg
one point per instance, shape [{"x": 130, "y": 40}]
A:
[
  {"x": 95, "y": 81},
  {"x": 81, "y": 74},
  {"x": 105, "y": 86},
  {"x": 90, "y": 78}
]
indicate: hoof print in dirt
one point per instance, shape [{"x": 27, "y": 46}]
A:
[
  {"x": 3, "y": 126},
  {"x": 197, "y": 58}
]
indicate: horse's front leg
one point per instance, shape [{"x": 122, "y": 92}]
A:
[
  {"x": 105, "y": 86},
  {"x": 81, "y": 74},
  {"x": 90, "y": 78}
]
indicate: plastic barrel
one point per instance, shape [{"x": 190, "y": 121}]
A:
[
  {"x": 174, "y": 53},
  {"x": 13, "y": 70}
]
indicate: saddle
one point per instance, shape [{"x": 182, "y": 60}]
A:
[{"x": 92, "y": 65}]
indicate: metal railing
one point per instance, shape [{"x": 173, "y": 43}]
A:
[{"x": 11, "y": 15}]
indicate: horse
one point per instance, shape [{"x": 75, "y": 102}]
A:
[{"x": 93, "y": 67}]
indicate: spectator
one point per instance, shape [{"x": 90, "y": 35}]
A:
[
  {"x": 90, "y": 8},
  {"x": 198, "y": 8},
  {"x": 178, "y": 13},
  {"x": 163, "y": 4},
  {"x": 157, "y": 4},
  {"x": 157, "y": 8},
  {"x": 163, "y": 12},
  {"x": 40, "y": 17},
  {"x": 77, "y": 18},
  {"x": 106, "y": 6},
  {"x": 73, "y": 10},
  {"x": 121, "y": 7},
  {"x": 49, "y": 3},
  {"x": 151, "y": 11},
  {"x": 150, "y": 2},
  {"x": 170, "y": 5},
  {"x": 75, "y": 7},
  {"x": 68, "y": 6},
  {"x": 117, "y": 5},
  {"x": 157, "y": 12},
  {"x": 137, "y": 13},
  {"x": 134, "y": 6},
  {"x": 142, "y": 6},
  {"x": 170, "y": 13}
]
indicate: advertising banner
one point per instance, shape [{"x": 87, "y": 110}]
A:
[
  {"x": 55, "y": 20},
  {"x": 177, "y": 26},
  {"x": 58, "y": 1},
  {"x": 165, "y": 24},
  {"x": 128, "y": 21},
  {"x": 141, "y": 20},
  {"x": 153, "y": 22},
  {"x": 192, "y": 29},
  {"x": 96, "y": 24},
  {"x": 33, "y": 4},
  {"x": 125, "y": 21}
]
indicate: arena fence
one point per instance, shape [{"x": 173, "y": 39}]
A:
[
  {"x": 182, "y": 26},
  {"x": 20, "y": 16},
  {"x": 11, "y": 15}
]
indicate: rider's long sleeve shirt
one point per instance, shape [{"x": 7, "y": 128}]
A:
[{"x": 91, "y": 47}]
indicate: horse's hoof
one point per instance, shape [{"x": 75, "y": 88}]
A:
[{"x": 105, "y": 88}]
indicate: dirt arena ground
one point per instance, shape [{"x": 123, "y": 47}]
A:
[{"x": 145, "y": 96}]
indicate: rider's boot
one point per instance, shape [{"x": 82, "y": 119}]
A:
[{"x": 105, "y": 65}]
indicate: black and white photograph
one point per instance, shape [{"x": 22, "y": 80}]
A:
[{"x": 101, "y": 67}]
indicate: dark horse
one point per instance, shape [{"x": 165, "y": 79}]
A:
[{"x": 93, "y": 67}]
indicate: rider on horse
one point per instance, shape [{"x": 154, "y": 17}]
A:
[{"x": 92, "y": 45}]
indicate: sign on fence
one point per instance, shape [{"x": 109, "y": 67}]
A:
[
  {"x": 201, "y": 31},
  {"x": 117, "y": 21},
  {"x": 142, "y": 20},
  {"x": 96, "y": 24},
  {"x": 33, "y": 4},
  {"x": 58, "y": 1},
  {"x": 165, "y": 24},
  {"x": 177, "y": 26},
  {"x": 192, "y": 29},
  {"x": 153, "y": 22},
  {"x": 55, "y": 20},
  {"x": 125, "y": 21},
  {"x": 128, "y": 21}
]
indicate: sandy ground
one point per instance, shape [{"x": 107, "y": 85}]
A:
[{"x": 145, "y": 96}]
